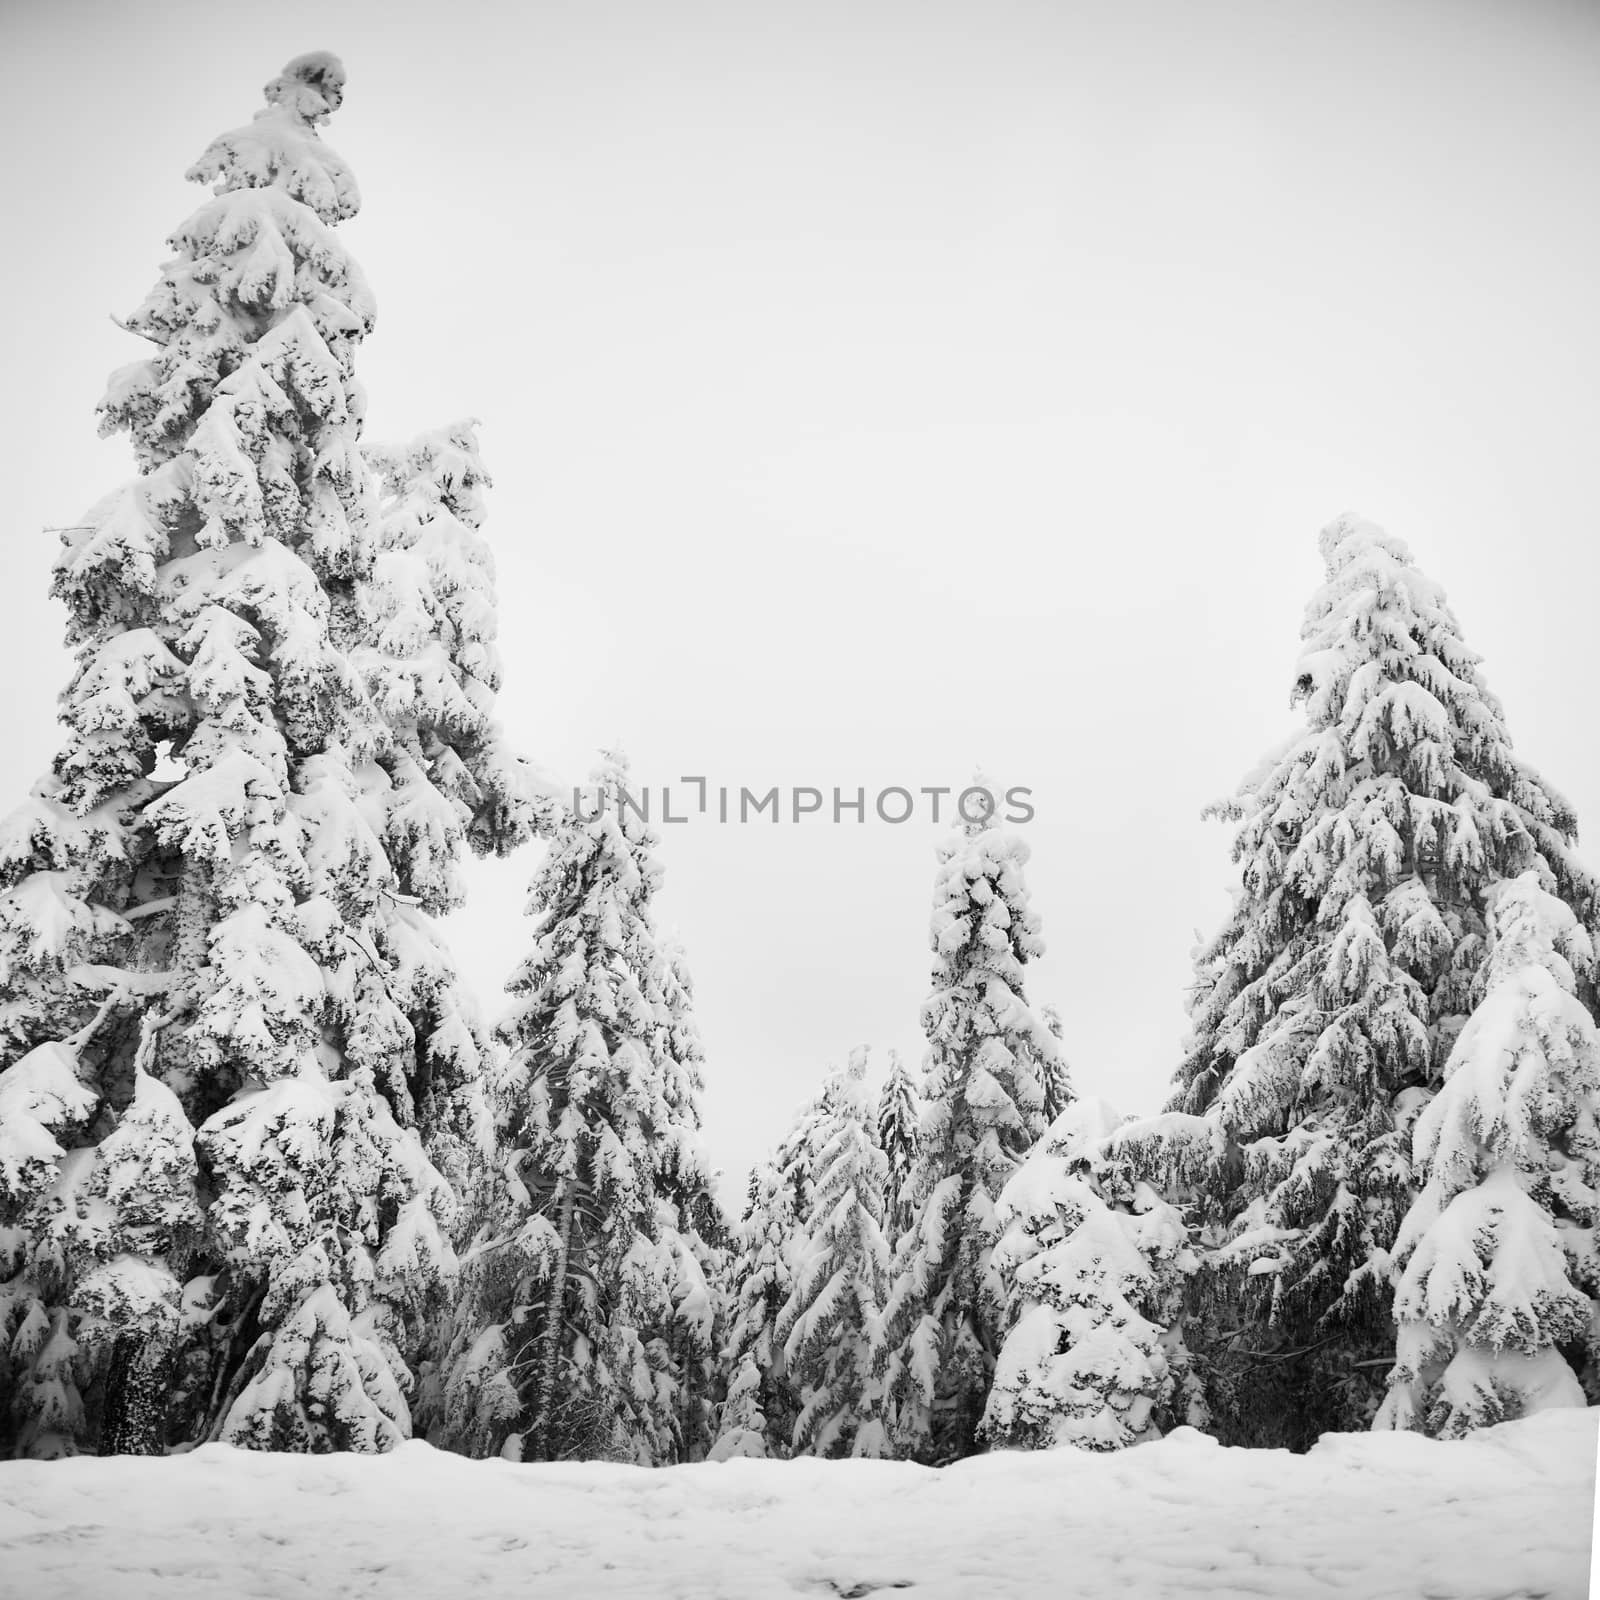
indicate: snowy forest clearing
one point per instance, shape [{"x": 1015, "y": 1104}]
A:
[{"x": 1503, "y": 1512}]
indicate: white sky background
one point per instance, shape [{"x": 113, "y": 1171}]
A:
[{"x": 873, "y": 391}]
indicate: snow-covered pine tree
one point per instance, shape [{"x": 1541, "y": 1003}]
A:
[
  {"x": 899, "y": 1112},
  {"x": 796, "y": 1155},
  {"x": 983, "y": 1110},
  {"x": 684, "y": 1344},
  {"x": 1054, "y": 1072},
  {"x": 692, "y": 1226},
  {"x": 1094, "y": 1263},
  {"x": 758, "y": 1415},
  {"x": 108, "y": 1224},
  {"x": 827, "y": 1325},
  {"x": 1497, "y": 1266},
  {"x": 193, "y": 899},
  {"x": 741, "y": 1421},
  {"x": 1368, "y": 847},
  {"x": 574, "y": 1271}
]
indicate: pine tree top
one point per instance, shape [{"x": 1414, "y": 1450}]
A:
[
  {"x": 898, "y": 1099},
  {"x": 280, "y": 148},
  {"x": 1392, "y": 695},
  {"x": 612, "y": 843}
]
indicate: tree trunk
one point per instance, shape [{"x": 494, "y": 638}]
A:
[
  {"x": 192, "y": 921},
  {"x": 133, "y": 1420},
  {"x": 689, "y": 1400},
  {"x": 542, "y": 1432}
]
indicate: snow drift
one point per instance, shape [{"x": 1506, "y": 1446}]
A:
[{"x": 1504, "y": 1511}]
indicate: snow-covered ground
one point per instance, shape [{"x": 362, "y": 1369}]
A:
[{"x": 1504, "y": 1513}]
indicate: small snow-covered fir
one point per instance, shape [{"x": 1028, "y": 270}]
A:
[
  {"x": 758, "y": 1414},
  {"x": 828, "y": 1323},
  {"x": 1497, "y": 1268},
  {"x": 1095, "y": 1265},
  {"x": 898, "y": 1117}
]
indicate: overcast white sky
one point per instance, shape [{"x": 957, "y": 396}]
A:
[{"x": 877, "y": 390}]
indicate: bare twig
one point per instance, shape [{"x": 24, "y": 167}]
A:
[
  {"x": 150, "y": 908},
  {"x": 137, "y": 333}
]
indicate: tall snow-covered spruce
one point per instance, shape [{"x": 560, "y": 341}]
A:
[
  {"x": 983, "y": 1109},
  {"x": 584, "y": 1314},
  {"x": 217, "y": 1215},
  {"x": 1370, "y": 848}
]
